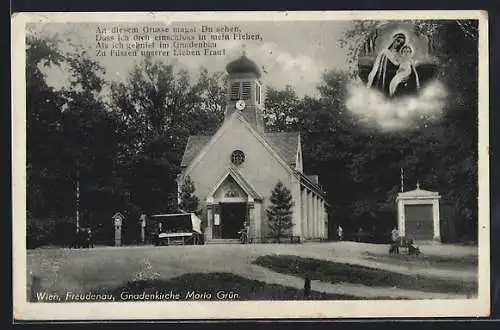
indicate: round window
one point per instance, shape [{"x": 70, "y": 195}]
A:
[{"x": 237, "y": 157}]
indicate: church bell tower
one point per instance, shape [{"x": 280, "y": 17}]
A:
[{"x": 244, "y": 92}]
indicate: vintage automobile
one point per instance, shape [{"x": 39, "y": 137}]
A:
[{"x": 178, "y": 229}]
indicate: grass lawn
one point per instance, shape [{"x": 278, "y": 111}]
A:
[
  {"x": 211, "y": 283},
  {"x": 467, "y": 261},
  {"x": 205, "y": 286},
  {"x": 333, "y": 272}
]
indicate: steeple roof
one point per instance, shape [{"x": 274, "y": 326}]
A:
[{"x": 243, "y": 65}]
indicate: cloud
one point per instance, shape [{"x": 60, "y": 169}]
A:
[
  {"x": 284, "y": 67},
  {"x": 375, "y": 109},
  {"x": 299, "y": 60}
]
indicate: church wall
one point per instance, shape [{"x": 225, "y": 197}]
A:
[
  {"x": 260, "y": 168},
  {"x": 297, "y": 212}
]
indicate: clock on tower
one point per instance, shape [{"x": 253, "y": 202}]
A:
[{"x": 240, "y": 105}]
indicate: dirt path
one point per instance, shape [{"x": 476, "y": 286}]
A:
[
  {"x": 353, "y": 253},
  {"x": 455, "y": 274},
  {"x": 109, "y": 266}
]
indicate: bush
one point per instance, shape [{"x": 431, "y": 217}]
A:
[
  {"x": 49, "y": 231},
  {"x": 64, "y": 233},
  {"x": 37, "y": 233}
]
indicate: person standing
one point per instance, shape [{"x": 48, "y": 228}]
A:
[
  {"x": 394, "y": 235},
  {"x": 244, "y": 233},
  {"x": 340, "y": 233},
  {"x": 90, "y": 238},
  {"x": 395, "y": 241},
  {"x": 360, "y": 234}
]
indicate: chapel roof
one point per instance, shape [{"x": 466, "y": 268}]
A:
[
  {"x": 305, "y": 180},
  {"x": 285, "y": 144},
  {"x": 243, "y": 65},
  {"x": 313, "y": 178},
  {"x": 418, "y": 193},
  {"x": 194, "y": 145}
]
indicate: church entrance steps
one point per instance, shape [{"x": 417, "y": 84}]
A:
[{"x": 223, "y": 241}]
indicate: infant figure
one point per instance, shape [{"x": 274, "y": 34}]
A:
[{"x": 405, "y": 68}]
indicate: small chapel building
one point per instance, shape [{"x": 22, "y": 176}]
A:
[{"x": 235, "y": 170}]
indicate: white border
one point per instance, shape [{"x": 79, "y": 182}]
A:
[{"x": 24, "y": 310}]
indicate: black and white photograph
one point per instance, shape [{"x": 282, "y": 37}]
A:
[{"x": 250, "y": 165}]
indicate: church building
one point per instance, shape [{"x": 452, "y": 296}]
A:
[{"x": 235, "y": 170}]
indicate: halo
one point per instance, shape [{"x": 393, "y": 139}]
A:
[
  {"x": 395, "y": 33},
  {"x": 402, "y": 32}
]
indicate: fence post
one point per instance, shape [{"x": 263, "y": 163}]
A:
[{"x": 307, "y": 286}]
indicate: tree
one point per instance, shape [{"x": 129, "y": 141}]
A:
[
  {"x": 189, "y": 201},
  {"x": 279, "y": 213},
  {"x": 73, "y": 140},
  {"x": 44, "y": 142},
  {"x": 161, "y": 107},
  {"x": 124, "y": 152},
  {"x": 280, "y": 111},
  {"x": 328, "y": 132},
  {"x": 441, "y": 155},
  {"x": 93, "y": 137},
  {"x": 210, "y": 90}
]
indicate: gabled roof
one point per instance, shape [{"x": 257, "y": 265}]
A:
[
  {"x": 118, "y": 215},
  {"x": 418, "y": 194},
  {"x": 240, "y": 180},
  {"x": 306, "y": 182},
  {"x": 194, "y": 145},
  {"x": 285, "y": 144},
  {"x": 220, "y": 132},
  {"x": 313, "y": 178}
]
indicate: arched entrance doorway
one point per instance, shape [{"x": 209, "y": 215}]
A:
[
  {"x": 233, "y": 216},
  {"x": 230, "y": 205}
]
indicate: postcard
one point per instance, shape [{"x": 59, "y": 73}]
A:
[{"x": 250, "y": 165}]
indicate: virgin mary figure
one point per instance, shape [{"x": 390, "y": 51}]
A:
[{"x": 386, "y": 66}]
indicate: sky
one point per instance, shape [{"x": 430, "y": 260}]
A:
[{"x": 295, "y": 53}]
